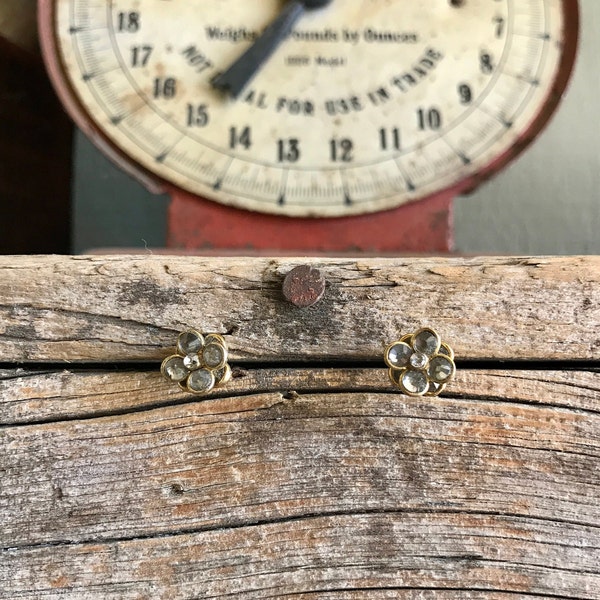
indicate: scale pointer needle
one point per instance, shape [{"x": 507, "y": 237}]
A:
[{"x": 239, "y": 74}]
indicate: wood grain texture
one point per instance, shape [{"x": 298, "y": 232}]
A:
[
  {"x": 46, "y": 395},
  {"x": 398, "y": 551},
  {"x": 239, "y": 460},
  {"x": 115, "y": 309},
  {"x": 266, "y": 496},
  {"x": 308, "y": 476}
]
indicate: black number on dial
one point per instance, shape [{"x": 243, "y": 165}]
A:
[
  {"x": 197, "y": 115},
  {"x": 486, "y": 62},
  {"x": 165, "y": 87},
  {"x": 288, "y": 150},
  {"x": 342, "y": 150},
  {"x": 430, "y": 118},
  {"x": 390, "y": 138},
  {"x": 140, "y": 55},
  {"x": 129, "y": 22},
  {"x": 499, "y": 22},
  {"x": 241, "y": 137},
  {"x": 466, "y": 93}
]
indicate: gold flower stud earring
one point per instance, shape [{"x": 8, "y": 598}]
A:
[
  {"x": 420, "y": 364},
  {"x": 200, "y": 364}
]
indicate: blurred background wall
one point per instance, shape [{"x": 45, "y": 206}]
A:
[
  {"x": 35, "y": 182},
  {"x": 17, "y": 23},
  {"x": 548, "y": 202}
]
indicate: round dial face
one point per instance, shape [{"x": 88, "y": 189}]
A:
[{"x": 364, "y": 106}]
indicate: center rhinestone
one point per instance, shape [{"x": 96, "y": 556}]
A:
[
  {"x": 191, "y": 362},
  {"x": 419, "y": 361}
]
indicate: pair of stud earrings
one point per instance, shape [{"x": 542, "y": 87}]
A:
[{"x": 420, "y": 364}]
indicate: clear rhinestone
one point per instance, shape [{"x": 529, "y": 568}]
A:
[
  {"x": 201, "y": 381},
  {"x": 222, "y": 375},
  {"x": 395, "y": 376},
  {"x": 174, "y": 369},
  {"x": 440, "y": 369},
  {"x": 434, "y": 388},
  {"x": 419, "y": 361},
  {"x": 399, "y": 355},
  {"x": 192, "y": 362},
  {"x": 446, "y": 350},
  {"x": 415, "y": 382},
  {"x": 215, "y": 338},
  {"x": 190, "y": 342},
  {"x": 213, "y": 356},
  {"x": 427, "y": 342}
]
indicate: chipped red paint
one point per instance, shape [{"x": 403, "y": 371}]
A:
[{"x": 423, "y": 226}]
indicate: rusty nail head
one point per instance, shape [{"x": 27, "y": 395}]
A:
[{"x": 304, "y": 286}]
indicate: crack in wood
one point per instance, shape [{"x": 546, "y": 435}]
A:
[
  {"x": 447, "y": 593},
  {"x": 299, "y": 518}
]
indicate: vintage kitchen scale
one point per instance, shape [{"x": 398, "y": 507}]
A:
[{"x": 327, "y": 134}]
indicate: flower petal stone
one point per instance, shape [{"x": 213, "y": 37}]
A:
[
  {"x": 427, "y": 342},
  {"x": 415, "y": 383},
  {"x": 435, "y": 388},
  {"x": 190, "y": 342},
  {"x": 398, "y": 355},
  {"x": 396, "y": 376},
  {"x": 222, "y": 375},
  {"x": 441, "y": 369},
  {"x": 174, "y": 369},
  {"x": 446, "y": 350},
  {"x": 201, "y": 381},
  {"x": 215, "y": 338},
  {"x": 214, "y": 356}
]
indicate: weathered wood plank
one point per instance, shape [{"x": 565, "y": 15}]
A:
[
  {"x": 46, "y": 395},
  {"x": 412, "y": 594},
  {"x": 107, "y": 309},
  {"x": 234, "y": 461},
  {"x": 311, "y": 481},
  {"x": 401, "y": 551}
]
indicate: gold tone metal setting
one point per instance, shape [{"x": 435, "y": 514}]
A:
[
  {"x": 420, "y": 364},
  {"x": 200, "y": 364}
]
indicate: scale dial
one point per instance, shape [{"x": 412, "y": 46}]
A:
[{"x": 365, "y": 106}]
